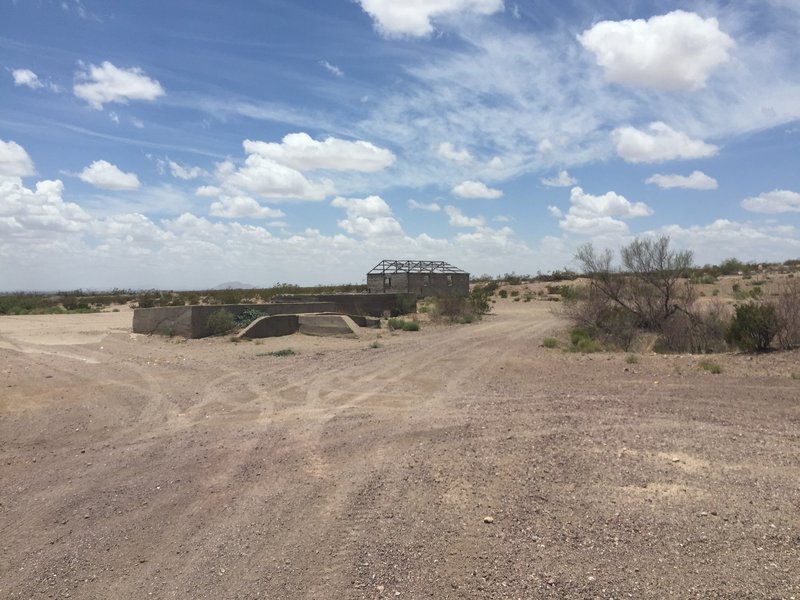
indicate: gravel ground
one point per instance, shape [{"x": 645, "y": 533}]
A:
[{"x": 454, "y": 462}]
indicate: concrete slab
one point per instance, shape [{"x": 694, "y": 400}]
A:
[
  {"x": 271, "y": 326},
  {"x": 328, "y": 325}
]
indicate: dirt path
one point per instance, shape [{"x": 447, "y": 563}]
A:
[{"x": 136, "y": 466}]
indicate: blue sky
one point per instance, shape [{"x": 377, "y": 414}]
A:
[{"x": 182, "y": 144}]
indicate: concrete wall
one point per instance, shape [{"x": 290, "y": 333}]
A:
[
  {"x": 191, "y": 321},
  {"x": 422, "y": 284},
  {"x": 274, "y": 326},
  {"x": 372, "y": 305}
]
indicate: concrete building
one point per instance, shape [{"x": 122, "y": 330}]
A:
[{"x": 421, "y": 277}]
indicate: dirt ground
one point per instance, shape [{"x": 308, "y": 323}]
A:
[{"x": 455, "y": 462}]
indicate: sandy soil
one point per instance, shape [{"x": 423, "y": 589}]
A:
[{"x": 136, "y": 467}]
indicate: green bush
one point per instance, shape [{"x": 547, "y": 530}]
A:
[
  {"x": 632, "y": 359},
  {"x": 478, "y": 300},
  {"x": 410, "y": 326},
  {"x": 248, "y": 316},
  {"x": 404, "y": 304},
  {"x": 550, "y": 342},
  {"x": 583, "y": 340},
  {"x": 753, "y": 327},
  {"x": 710, "y": 366},
  {"x": 503, "y": 293},
  {"x": 395, "y": 323},
  {"x": 220, "y": 322}
]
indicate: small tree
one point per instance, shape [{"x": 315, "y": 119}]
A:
[
  {"x": 651, "y": 286},
  {"x": 753, "y": 327}
]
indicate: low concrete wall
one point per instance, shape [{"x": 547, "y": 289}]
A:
[
  {"x": 274, "y": 326},
  {"x": 373, "y": 305},
  {"x": 328, "y": 326},
  {"x": 191, "y": 321}
]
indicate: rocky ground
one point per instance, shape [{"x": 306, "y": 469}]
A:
[{"x": 455, "y": 462}]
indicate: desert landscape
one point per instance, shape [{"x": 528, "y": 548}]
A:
[{"x": 458, "y": 461}]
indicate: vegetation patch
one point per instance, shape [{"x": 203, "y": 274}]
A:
[
  {"x": 278, "y": 353},
  {"x": 550, "y": 342},
  {"x": 220, "y": 322},
  {"x": 709, "y": 365}
]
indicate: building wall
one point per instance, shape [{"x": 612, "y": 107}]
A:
[{"x": 422, "y": 284}]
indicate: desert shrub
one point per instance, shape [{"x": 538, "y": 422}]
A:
[
  {"x": 550, "y": 342},
  {"x": 512, "y": 278},
  {"x": 220, "y": 322},
  {"x": 396, "y": 323},
  {"x": 787, "y": 308},
  {"x": 410, "y": 326},
  {"x": 753, "y": 327},
  {"x": 617, "y": 326},
  {"x": 404, "y": 304},
  {"x": 490, "y": 287},
  {"x": 583, "y": 339},
  {"x": 709, "y": 365},
  {"x": 451, "y": 308},
  {"x": 514, "y": 293},
  {"x": 248, "y": 316},
  {"x": 478, "y": 301},
  {"x": 283, "y": 352},
  {"x": 503, "y": 293},
  {"x": 632, "y": 359},
  {"x": 468, "y": 318},
  {"x": 700, "y": 330}
]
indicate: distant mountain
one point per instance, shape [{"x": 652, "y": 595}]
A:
[{"x": 234, "y": 285}]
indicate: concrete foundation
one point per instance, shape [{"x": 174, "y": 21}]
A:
[{"x": 275, "y": 326}]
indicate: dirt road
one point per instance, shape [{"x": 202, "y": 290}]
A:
[{"x": 139, "y": 467}]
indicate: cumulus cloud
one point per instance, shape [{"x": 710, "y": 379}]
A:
[
  {"x": 659, "y": 143},
  {"x": 697, "y": 180},
  {"x": 599, "y": 215},
  {"x": 776, "y": 201},
  {"x": 676, "y": 51},
  {"x": 32, "y": 213},
  {"x": 99, "y": 85},
  {"x": 267, "y": 178},
  {"x": 27, "y": 78},
  {"x": 235, "y": 207},
  {"x": 367, "y": 217},
  {"x": 300, "y": 151},
  {"x": 432, "y": 207},
  {"x": 563, "y": 179},
  {"x": 413, "y": 17},
  {"x": 447, "y": 151},
  {"x": 458, "y": 219},
  {"x": 184, "y": 171},
  {"x": 102, "y": 174},
  {"x": 14, "y": 160},
  {"x": 476, "y": 189}
]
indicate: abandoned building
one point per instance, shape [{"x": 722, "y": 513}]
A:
[{"x": 421, "y": 277}]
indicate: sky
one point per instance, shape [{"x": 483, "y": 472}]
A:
[{"x": 182, "y": 144}]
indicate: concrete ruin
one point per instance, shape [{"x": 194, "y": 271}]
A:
[
  {"x": 421, "y": 277},
  {"x": 288, "y": 316}
]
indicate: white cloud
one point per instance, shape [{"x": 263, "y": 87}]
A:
[
  {"x": 563, "y": 179},
  {"x": 413, "y": 17},
  {"x": 33, "y": 214},
  {"x": 266, "y": 178},
  {"x": 234, "y": 207},
  {"x": 659, "y": 143},
  {"x": 367, "y": 217},
  {"x": 776, "y": 201},
  {"x": 331, "y": 68},
  {"x": 447, "y": 151},
  {"x": 300, "y": 151},
  {"x": 676, "y": 51},
  {"x": 555, "y": 211},
  {"x": 27, "y": 78},
  {"x": 724, "y": 238},
  {"x": 496, "y": 163},
  {"x": 599, "y": 215},
  {"x": 476, "y": 189},
  {"x": 184, "y": 171},
  {"x": 14, "y": 160},
  {"x": 103, "y": 174},
  {"x": 697, "y": 180},
  {"x": 432, "y": 207},
  {"x": 99, "y": 85},
  {"x": 457, "y": 219}
]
